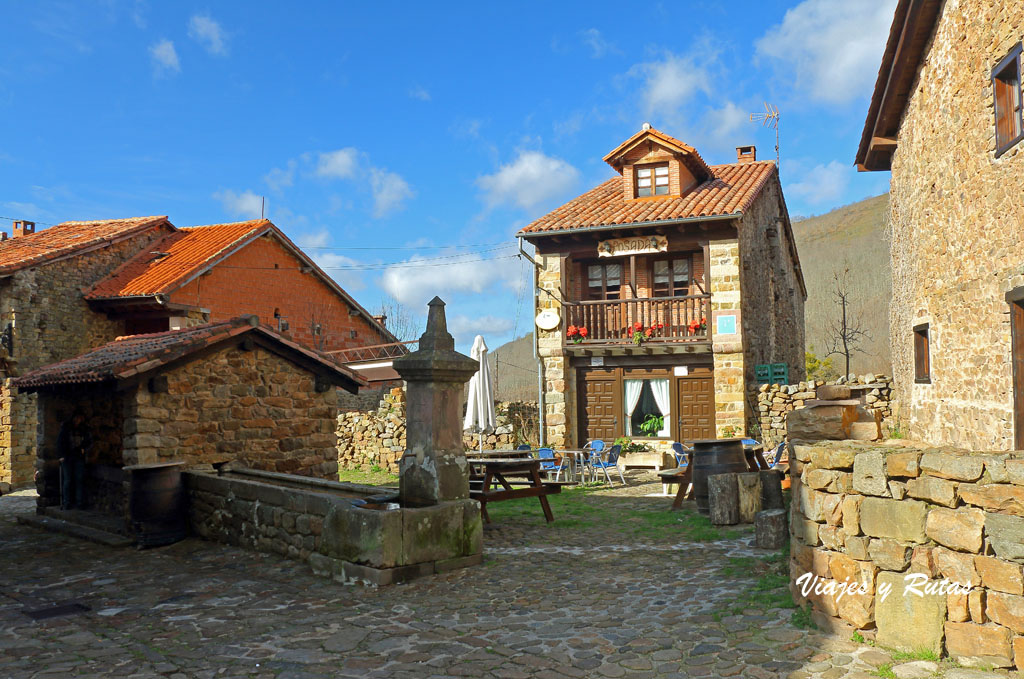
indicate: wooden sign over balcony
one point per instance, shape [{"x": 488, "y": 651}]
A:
[{"x": 639, "y": 245}]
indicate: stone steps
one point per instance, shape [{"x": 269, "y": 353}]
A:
[{"x": 89, "y": 533}]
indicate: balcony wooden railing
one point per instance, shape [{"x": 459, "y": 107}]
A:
[{"x": 610, "y": 322}]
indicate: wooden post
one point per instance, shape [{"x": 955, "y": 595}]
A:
[
  {"x": 771, "y": 489},
  {"x": 723, "y": 499},
  {"x": 749, "y": 489},
  {"x": 770, "y": 529}
]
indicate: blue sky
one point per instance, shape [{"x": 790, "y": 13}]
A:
[{"x": 436, "y": 130}]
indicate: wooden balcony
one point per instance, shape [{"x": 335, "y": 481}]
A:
[{"x": 609, "y": 323}]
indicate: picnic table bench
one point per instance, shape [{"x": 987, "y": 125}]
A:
[{"x": 514, "y": 478}]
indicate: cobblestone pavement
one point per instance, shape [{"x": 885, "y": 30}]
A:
[{"x": 567, "y": 600}]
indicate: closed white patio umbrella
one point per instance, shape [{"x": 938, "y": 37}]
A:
[{"x": 480, "y": 407}]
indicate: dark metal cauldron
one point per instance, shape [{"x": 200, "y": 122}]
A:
[
  {"x": 714, "y": 456},
  {"x": 156, "y": 503}
]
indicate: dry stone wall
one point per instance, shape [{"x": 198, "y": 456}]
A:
[
  {"x": 894, "y": 520},
  {"x": 775, "y": 401},
  {"x": 376, "y": 438}
]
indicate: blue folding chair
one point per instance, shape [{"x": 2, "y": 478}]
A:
[
  {"x": 612, "y": 462},
  {"x": 548, "y": 464},
  {"x": 525, "y": 446},
  {"x": 773, "y": 456},
  {"x": 591, "y": 449},
  {"x": 681, "y": 453}
]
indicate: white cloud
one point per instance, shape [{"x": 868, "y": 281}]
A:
[
  {"x": 419, "y": 92},
  {"x": 822, "y": 184},
  {"x": 165, "y": 58},
  {"x": 245, "y": 204},
  {"x": 833, "y": 48},
  {"x": 529, "y": 181},
  {"x": 724, "y": 124},
  {"x": 597, "y": 43},
  {"x": 414, "y": 286},
  {"x": 209, "y": 33},
  {"x": 389, "y": 191},
  {"x": 278, "y": 178},
  {"x": 340, "y": 164},
  {"x": 465, "y": 328},
  {"x": 138, "y": 13},
  {"x": 670, "y": 82}
]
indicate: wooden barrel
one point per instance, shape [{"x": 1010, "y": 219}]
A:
[
  {"x": 156, "y": 507},
  {"x": 714, "y": 456}
]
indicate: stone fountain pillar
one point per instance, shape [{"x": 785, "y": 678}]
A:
[{"x": 434, "y": 469}]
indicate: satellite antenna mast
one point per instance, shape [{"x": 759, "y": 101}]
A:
[
  {"x": 263, "y": 202},
  {"x": 770, "y": 118}
]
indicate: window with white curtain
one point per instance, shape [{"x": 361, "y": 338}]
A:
[{"x": 644, "y": 399}]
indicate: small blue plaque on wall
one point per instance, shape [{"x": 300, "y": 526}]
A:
[{"x": 726, "y": 325}]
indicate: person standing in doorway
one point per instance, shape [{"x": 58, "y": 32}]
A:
[{"x": 73, "y": 444}]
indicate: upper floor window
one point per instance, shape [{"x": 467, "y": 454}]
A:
[
  {"x": 671, "y": 277},
  {"x": 652, "y": 180},
  {"x": 1006, "y": 90},
  {"x": 604, "y": 281}
]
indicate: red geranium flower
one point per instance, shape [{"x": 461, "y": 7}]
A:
[
  {"x": 638, "y": 326},
  {"x": 571, "y": 331},
  {"x": 648, "y": 331},
  {"x": 583, "y": 331}
]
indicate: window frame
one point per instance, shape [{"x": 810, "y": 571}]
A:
[
  {"x": 653, "y": 167},
  {"x": 688, "y": 256},
  {"x": 1012, "y": 58},
  {"x": 588, "y": 290},
  {"x": 922, "y": 354}
]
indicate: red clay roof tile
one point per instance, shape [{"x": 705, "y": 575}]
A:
[
  {"x": 66, "y": 239},
  {"x": 175, "y": 259},
  {"x": 126, "y": 357},
  {"x": 731, "y": 191}
]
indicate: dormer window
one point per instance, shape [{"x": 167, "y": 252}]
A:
[{"x": 652, "y": 180}]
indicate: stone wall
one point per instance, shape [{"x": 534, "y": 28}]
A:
[
  {"x": 956, "y": 232},
  {"x": 52, "y": 322},
  {"x": 885, "y": 517},
  {"x": 775, "y": 401},
  {"x": 251, "y": 406},
  {"x": 376, "y": 438},
  {"x": 559, "y": 377}
]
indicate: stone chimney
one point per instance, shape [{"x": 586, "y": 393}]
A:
[
  {"x": 434, "y": 468},
  {"x": 746, "y": 154},
  {"x": 23, "y": 228},
  {"x": 382, "y": 319}
]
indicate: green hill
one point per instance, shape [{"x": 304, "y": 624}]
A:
[{"x": 850, "y": 238}]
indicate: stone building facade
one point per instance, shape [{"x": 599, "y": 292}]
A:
[
  {"x": 703, "y": 265},
  {"x": 77, "y": 285},
  {"x": 213, "y": 393},
  {"x": 956, "y": 229}
]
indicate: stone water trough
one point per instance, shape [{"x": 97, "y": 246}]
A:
[{"x": 355, "y": 533}]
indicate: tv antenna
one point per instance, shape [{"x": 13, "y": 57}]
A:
[{"x": 770, "y": 118}]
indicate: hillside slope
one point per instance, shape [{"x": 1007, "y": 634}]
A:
[{"x": 850, "y": 238}]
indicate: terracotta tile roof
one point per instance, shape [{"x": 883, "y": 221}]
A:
[
  {"x": 66, "y": 239},
  {"x": 731, "y": 191},
  {"x": 188, "y": 251},
  {"x": 127, "y": 357}
]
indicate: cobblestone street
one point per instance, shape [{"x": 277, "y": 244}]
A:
[{"x": 567, "y": 600}]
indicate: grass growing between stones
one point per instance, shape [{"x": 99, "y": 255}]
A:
[{"x": 771, "y": 587}]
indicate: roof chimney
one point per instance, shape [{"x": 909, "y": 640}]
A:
[
  {"x": 746, "y": 154},
  {"x": 382, "y": 319},
  {"x": 23, "y": 228}
]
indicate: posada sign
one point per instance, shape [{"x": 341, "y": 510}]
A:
[{"x": 637, "y": 245}]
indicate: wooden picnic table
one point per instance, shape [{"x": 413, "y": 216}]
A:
[{"x": 498, "y": 471}]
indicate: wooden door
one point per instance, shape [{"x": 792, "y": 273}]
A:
[
  {"x": 695, "y": 417},
  {"x": 1017, "y": 343},
  {"x": 600, "y": 405}
]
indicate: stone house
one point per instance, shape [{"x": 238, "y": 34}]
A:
[
  {"x": 945, "y": 118},
  {"x": 661, "y": 291},
  {"x": 207, "y": 394},
  {"x": 74, "y": 286}
]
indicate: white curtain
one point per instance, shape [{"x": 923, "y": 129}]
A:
[
  {"x": 660, "y": 390},
  {"x": 633, "y": 389}
]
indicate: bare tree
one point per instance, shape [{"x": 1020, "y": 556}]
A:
[
  {"x": 319, "y": 324},
  {"x": 400, "y": 321},
  {"x": 845, "y": 334}
]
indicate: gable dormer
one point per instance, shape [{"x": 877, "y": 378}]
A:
[{"x": 655, "y": 165}]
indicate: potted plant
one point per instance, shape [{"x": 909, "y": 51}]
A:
[
  {"x": 576, "y": 334},
  {"x": 652, "y": 424}
]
